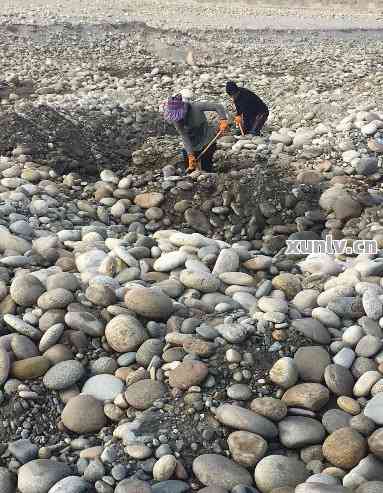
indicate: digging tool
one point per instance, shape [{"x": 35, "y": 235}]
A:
[
  {"x": 241, "y": 128},
  {"x": 219, "y": 134},
  {"x": 239, "y": 123},
  {"x": 206, "y": 148},
  {"x": 209, "y": 145}
]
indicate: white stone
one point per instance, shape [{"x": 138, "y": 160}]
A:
[
  {"x": 170, "y": 261},
  {"x": 103, "y": 387},
  {"x": 348, "y": 156},
  {"x": 345, "y": 357}
]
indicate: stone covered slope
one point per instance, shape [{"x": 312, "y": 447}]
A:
[
  {"x": 155, "y": 336},
  {"x": 167, "y": 359}
]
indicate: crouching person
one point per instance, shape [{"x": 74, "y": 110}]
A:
[
  {"x": 191, "y": 123},
  {"x": 252, "y": 112}
]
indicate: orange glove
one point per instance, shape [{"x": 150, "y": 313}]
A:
[
  {"x": 238, "y": 120},
  {"x": 223, "y": 126},
  {"x": 192, "y": 162}
]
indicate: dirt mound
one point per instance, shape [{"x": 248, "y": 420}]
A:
[{"x": 83, "y": 141}]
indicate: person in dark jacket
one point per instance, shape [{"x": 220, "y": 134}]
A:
[
  {"x": 190, "y": 122},
  {"x": 252, "y": 112}
]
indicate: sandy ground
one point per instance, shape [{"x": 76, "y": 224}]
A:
[{"x": 202, "y": 14}]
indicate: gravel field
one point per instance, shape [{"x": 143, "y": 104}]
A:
[
  {"x": 155, "y": 334},
  {"x": 202, "y": 14}
]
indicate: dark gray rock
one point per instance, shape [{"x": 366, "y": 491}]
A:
[
  {"x": 362, "y": 365},
  {"x": 334, "y": 419},
  {"x": 23, "y": 450},
  {"x": 339, "y": 380},
  {"x": 366, "y": 166},
  {"x": 304, "y": 235},
  {"x": 299, "y": 431},
  {"x": 312, "y": 329},
  {"x": 304, "y": 357},
  {"x": 277, "y": 471},
  {"x": 64, "y": 375},
  {"x": 214, "y": 469},
  {"x": 347, "y": 307},
  {"x": 244, "y": 419}
]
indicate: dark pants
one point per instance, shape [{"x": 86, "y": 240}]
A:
[
  {"x": 206, "y": 160},
  {"x": 254, "y": 123}
]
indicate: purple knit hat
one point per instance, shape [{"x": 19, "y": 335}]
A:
[{"x": 175, "y": 109}]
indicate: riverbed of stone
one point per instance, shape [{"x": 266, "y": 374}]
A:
[{"x": 155, "y": 336}]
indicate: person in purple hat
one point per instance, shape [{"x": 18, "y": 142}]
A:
[{"x": 191, "y": 123}]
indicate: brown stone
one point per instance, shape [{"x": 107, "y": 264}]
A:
[
  {"x": 347, "y": 207},
  {"x": 149, "y": 199},
  {"x": 325, "y": 165},
  {"x": 66, "y": 264},
  {"x": 101, "y": 295},
  {"x": 137, "y": 375},
  {"x": 246, "y": 448},
  {"x": 309, "y": 177},
  {"x": 280, "y": 335},
  {"x": 349, "y": 405},
  {"x": 336, "y": 472},
  {"x": 345, "y": 448},
  {"x": 123, "y": 372},
  {"x": 188, "y": 374},
  {"x": 290, "y": 284},
  {"x": 181, "y": 206},
  {"x": 68, "y": 394},
  {"x": 341, "y": 179},
  {"x": 199, "y": 347},
  {"x": 304, "y": 357},
  {"x": 375, "y": 442},
  {"x": 30, "y": 368},
  {"x": 312, "y": 396},
  {"x": 149, "y": 303},
  {"x": 375, "y": 146},
  {"x": 58, "y": 353},
  {"x": 141, "y": 395},
  {"x": 197, "y": 220},
  {"x": 258, "y": 263},
  {"x": 269, "y": 407},
  {"x": 125, "y": 333},
  {"x": 84, "y": 414},
  {"x": 154, "y": 276},
  {"x": 8, "y": 306},
  {"x": 91, "y": 452}
]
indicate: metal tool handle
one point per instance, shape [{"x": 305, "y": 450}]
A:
[
  {"x": 209, "y": 145},
  {"x": 241, "y": 129}
]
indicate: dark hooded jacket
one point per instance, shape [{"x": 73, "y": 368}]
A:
[{"x": 249, "y": 105}]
